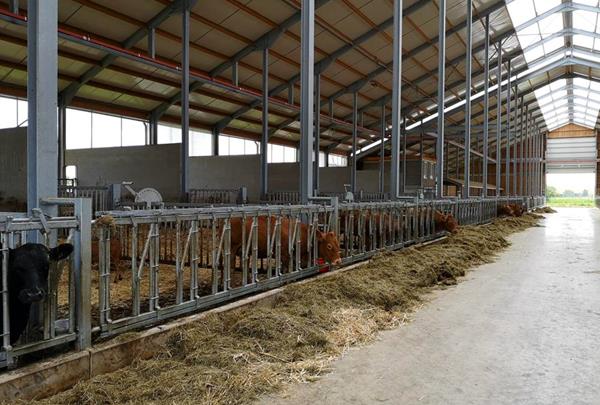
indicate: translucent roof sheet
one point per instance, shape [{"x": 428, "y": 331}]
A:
[{"x": 540, "y": 32}]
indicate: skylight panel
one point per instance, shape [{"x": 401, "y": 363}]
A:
[
  {"x": 583, "y": 41},
  {"x": 541, "y": 6},
  {"x": 585, "y": 20},
  {"x": 551, "y": 24},
  {"x": 592, "y": 3},
  {"x": 581, "y": 82},
  {"x": 558, "y": 84},
  {"x": 521, "y": 11}
]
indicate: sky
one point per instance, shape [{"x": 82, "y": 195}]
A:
[{"x": 576, "y": 182}]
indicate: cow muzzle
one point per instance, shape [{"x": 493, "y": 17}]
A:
[
  {"x": 337, "y": 261},
  {"x": 31, "y": 295}
]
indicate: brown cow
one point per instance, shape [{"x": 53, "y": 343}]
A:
[
  {"x": 517, "y": 209},
  {"x": 505, "y": 210},
  {"x": 328, "y": 245},
  {"x": 445, "y": 222}
]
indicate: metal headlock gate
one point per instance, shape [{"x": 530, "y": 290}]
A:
[{"x": 183, "y": 260}]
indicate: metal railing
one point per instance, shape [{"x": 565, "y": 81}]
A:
[
  {"x": 218, "y": 196},
  {"x": 204, "y": 258},
  {"x": 101, "y": 196},
  {"x": 54, "y": 322},
  {"x": 180, "y": 260}
]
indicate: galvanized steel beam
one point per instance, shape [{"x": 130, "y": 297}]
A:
[
  {"x": 468, "y": 64},
  {"x": 396, "y": 101},
  {"x": 42, "y": 127},
  {"x": 307, "y": 98},
  {"x": 441, "y": 97}
]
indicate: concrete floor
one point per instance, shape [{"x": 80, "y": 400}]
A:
[{"x": 523, "y": 330}]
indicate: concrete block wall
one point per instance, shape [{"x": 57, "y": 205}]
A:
[
  {"x": 13, "y": 163},
  {"x": 155, "y": 166}
]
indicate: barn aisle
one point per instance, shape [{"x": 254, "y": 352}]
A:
[{"x": 522, "y": 330}]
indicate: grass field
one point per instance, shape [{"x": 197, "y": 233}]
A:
[{"x": 570, "y": 202}]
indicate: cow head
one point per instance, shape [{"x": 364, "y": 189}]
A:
[
  {"x": 329, "y": 247},
  {"x": 451, "y": 224},
  {"x": 28, "y": 269}
]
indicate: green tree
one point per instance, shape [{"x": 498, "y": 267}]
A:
[
  {"x": 569, "y": 193},
  {"x": 585, "y": 193},
  {"x": 551, "y": 191}
]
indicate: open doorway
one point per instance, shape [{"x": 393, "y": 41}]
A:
[{"x": 571, "y": 189}]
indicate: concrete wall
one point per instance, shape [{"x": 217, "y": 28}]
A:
[
  {"x": 154, "y": 166},
  {"x": 226, "y": 172},
  {"x": 13, "y": 163},
  {"x": 238, "y": 171}
]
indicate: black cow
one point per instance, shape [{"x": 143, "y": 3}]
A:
[{"x": 27, "y": 280}]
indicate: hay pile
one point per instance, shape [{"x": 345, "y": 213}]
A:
[
  {"x": 237, "y": 356},
  {"x": 545, "y": 210}
]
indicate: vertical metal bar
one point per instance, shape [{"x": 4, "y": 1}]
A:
[
  {"x": 291, "y": 94},
  {"x": 396, "y": 100},
  {"x": 486, "y": 106},
  {"x": 152, "y": 42},
  {"x": 403, "y": 139},
  {"x": 441, "y": 96},
  {"x": 521, "y": 149},
  {"x": 307, "y": 42},
  {"x": 499, "y": 121},
  {"x": 468, "y": 69},
  {"x": 185, "y": 103},
  {"x": 508, "y": 122},
  {"x": 5, "y": 327},
  {"x": 62, "y": 140},
  {"x": 153, "y": 130},
  {"x": 354, "y": 141},
  {"x": 382, "y": 152},
  {"x": 82, "y": 264},
  {"x": 215, "y": 141},
  {"x": 264, "y": 139},
  {"x": 518, "y": 108},
  {"x": 42, "y": 128},
  {"x": 317, "y": 132},
  {"x": 235, "y": 78},
  {"x": 14, "y": 6}
]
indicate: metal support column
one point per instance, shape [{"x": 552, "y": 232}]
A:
[
  {"x": 215, "y": 141},
  {"x": 14, "y": 6},
  {"x": 526, "y": 159},
  {"x": 521, "y": 146},
  {"x": 354, "y": 141},
  {"x": 185, "y": 103},
  {"x": 440, "y": 99},
  {"x": 382, "y": 152},
  {"x": 486, "y": 106},
  {"x": 42, "y": 128},
  {"x": 264, "y": 139},
  {"x": 307, "y": 41},
  {"x": 508, "y": 122},
  {"x": 152, "y": 130},
  {"x": 396, "y": 101},
  {"x": 152, "y": 42},
  {"x": 317, "y": 132},
  {"x": 516, "y": 139},
  {"x": 468, "y": 70},
  {"x": 499, "y": 122},
  {"x": 404, "y": 140},
  {"x": 62, "y": 140},
  {"x": 235, "y": 78}
]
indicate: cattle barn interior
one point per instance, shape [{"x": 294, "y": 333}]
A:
[{"x": 195, "y": 152}]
